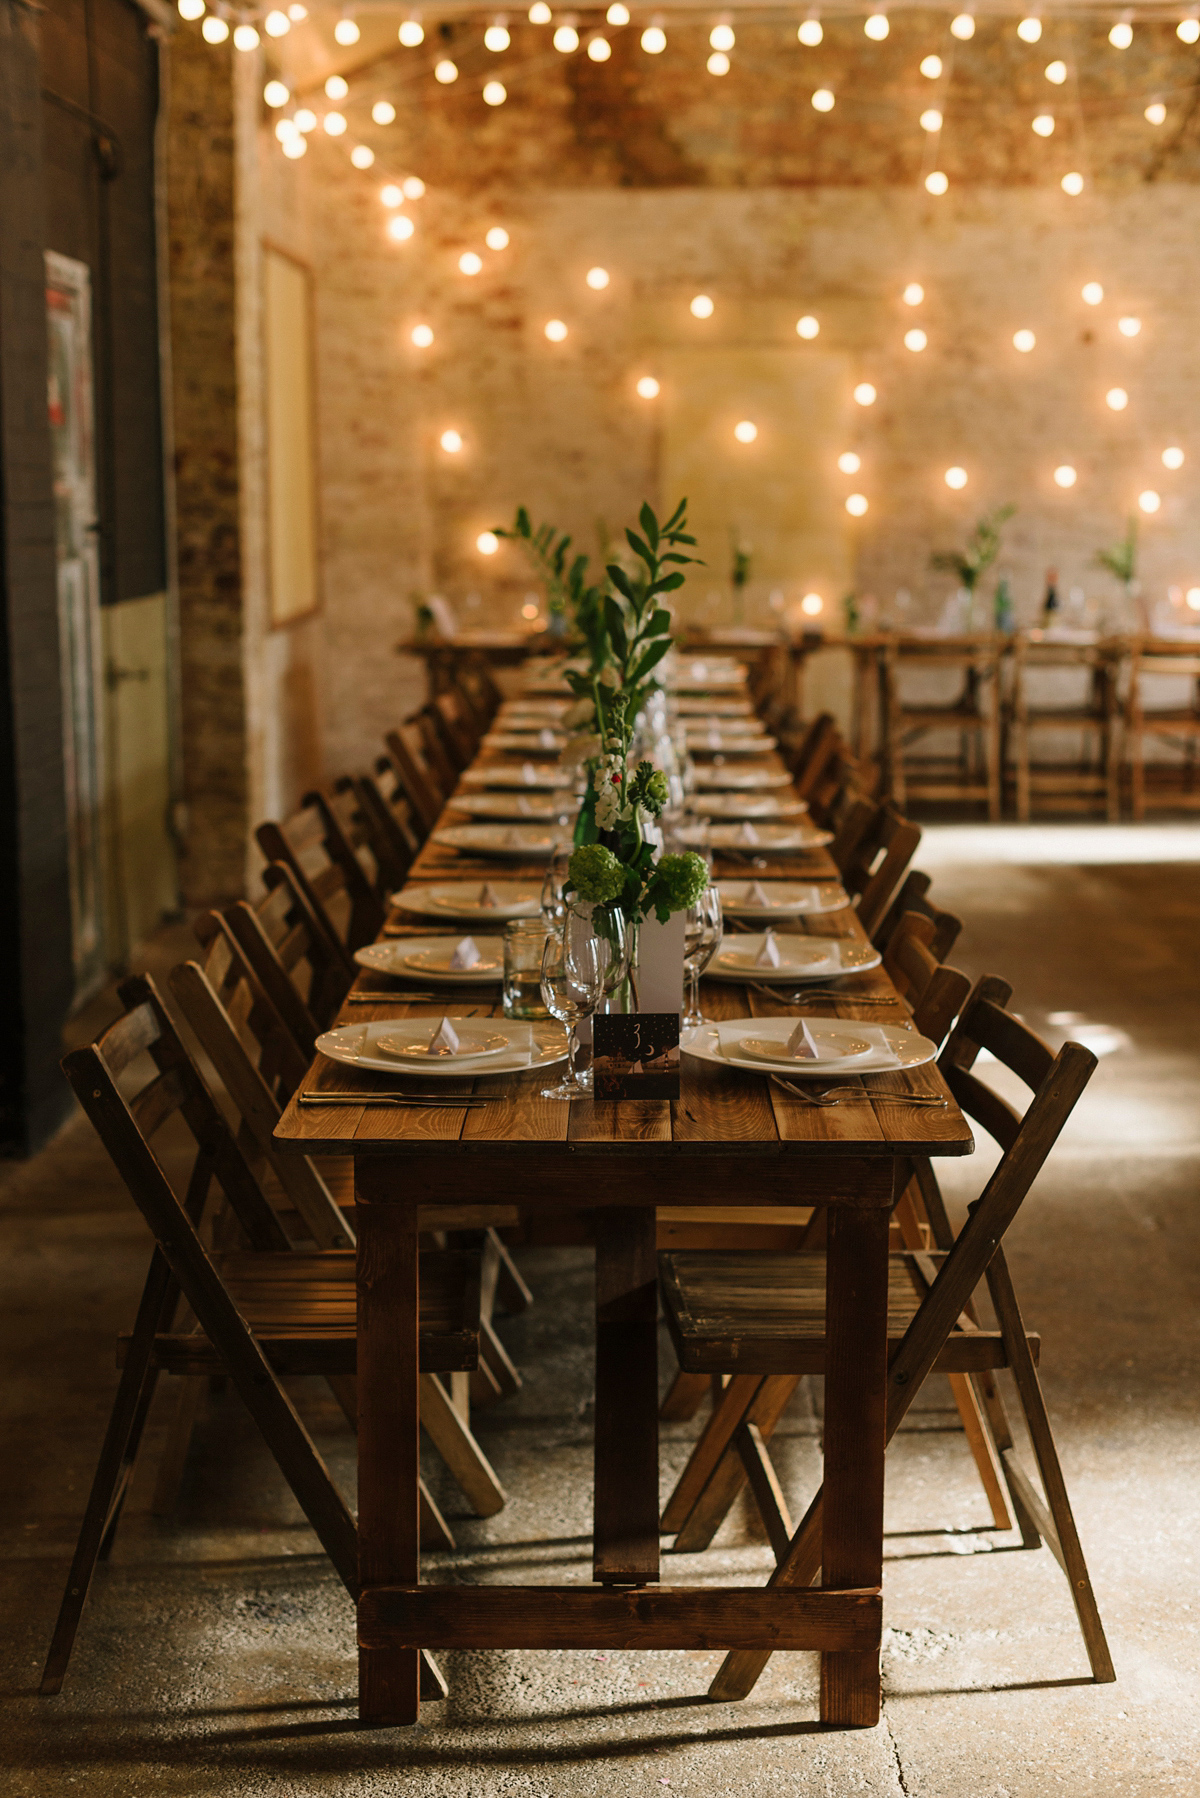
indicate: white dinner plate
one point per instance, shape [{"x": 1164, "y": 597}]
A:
[
  {"x": 702, "y": 743},
  {"x": 556, "y": 807},
  {"x": 744, "y": 805},
  {"x": 541, "y": 709},
  {"x": 705, "y": 677},
  {"x": 892, "y": 1048},
  {"x": 754, "y": 836},
  {"x": 787, "y": 898},
  {"x": 429, "y": 957},
  {"x": 741, "y": 780},
  {"x": 460, "y": 899},
  {"x": 710, "y": 707},
  {"x": 832, "y": 1043},
  {"x": 530, "y": 1046},
  {"x": 413, "y": 1042},
  {"x": 800, "y": 958},
  {"x": 725, "y": 727},
  {"x": 505, "y": 775},
  {"x": 510, "y": 842},
  {"x": 527, "y": 742}
]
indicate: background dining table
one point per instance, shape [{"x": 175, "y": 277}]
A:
[{"x": 733, "y": 1138}]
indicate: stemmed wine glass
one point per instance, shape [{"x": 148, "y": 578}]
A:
[
  {"x": 702, "y": 938},
  {"x": 577, "y": 964},
  {"x": 557, "y": 873}
]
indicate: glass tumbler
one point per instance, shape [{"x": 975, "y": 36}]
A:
[{"x": 524, "y": 942}]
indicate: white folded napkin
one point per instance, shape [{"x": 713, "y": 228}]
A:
[
  {"x": 756, "y": 894},
  {"x": 547, "y": 739},
  {"x": 445, "y": 1038},
  {"x": 486, "y": 896},
  {"x": 768, "y": 955},
  {"x": 529, "y": 774},
  {"x": 800, "y": 1042},
  {"x": 524, "y": 806},
  {"x": 746, "y": 833},
  {"x": 466, "y": 954}
]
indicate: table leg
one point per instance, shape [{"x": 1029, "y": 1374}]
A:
[
  {"x": 625, "y": 1528},
  {"x": 855, "y": 1422},
  {"x": 389, "y": 1462}
]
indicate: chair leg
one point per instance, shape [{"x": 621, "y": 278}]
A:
[
  {"x": 980, "y": 1443},
  {"x": 729, "y": 1476},
  {"x": 685, "y": 1397},
  {"x": 493, "y": 1351},
  {"x": 512, "y": 1294},
  {"x": 715, "y": 1438},
  {"x": 1059, "y": 1527},
  {"x": 459, "y": 1449},
  {"x": 188, "y": 1401},
  {"x": 991, "y": 741}
]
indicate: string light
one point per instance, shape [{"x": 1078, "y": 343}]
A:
[
  {"x": 599, "y": 49},
  {"x": 494, "y": 93},
  {"x": 807, "y": 327},
  {"x": 413, "y": 187},
  {"x": 305, "y": 119},
  {"x": 277, "y": 24},
  {"x": 701, "y": 306},
  {"x": 383, "y": 112},
  {"x": 214, "y": 30},
  {"x": 296, "y": 146},
  {"x": 1155, "y": 113},
  {"x": 496, "y": 238},
  {"x": 411, "y": 33},
  {"x": 856, "y": 505},
  {"x": 931, "y": 119},
  {"x": 648, "y": 388},
  {"x": 1056, "y": 72},
  {"x": 296, "y": 12},
  {"x": 497, "y": 37},
  {"x": 1193, "y": 599},
  {"x": 718, "y": 63},
  {"x": 334, "y": 124},
  {"x": 539, "y": 13},
  {"x": 956, "y": 478},
  {"x": 931, "y": 67},
  {"x": 1072, "y": 184},
  {"x": 823, "y": 100},
  {"x": 1065, "y": 476},
  {"x": 1129, "y": 327},
  {"x": 1116, "y": 399},
  {"x": 812, "y": 605},
  {"x": 470, "y": 263},
  {"x": 721, "y": 37},
  {"x": 1092, "y": 293},
  {"x": 556, "y": 331},
  {"x": 391, "y": 195},
  {"x": 915, "y": 340},
  {"x": 617, "y": 14},
  {"x": 654, "y": 40},
  {"x": 746, "y": 431},
  {"x": 445, "y": 71},
  {"x": 362, "y": 156},
  {"x": 913, "y": 294},
  {"x": 245, "y": 38},
  {"x": 336, "y": 88},
  {"x": 276, "y": 94},
  {"x": 286, "y": 128},
  {"x": 937, "y": 183},
  {"x": 1044, "y": 124},
  {"x": 192, "y": 10},
  {"x": 597, "y": 279},
  {"x": 346, "y": 32},
  {"x": 849, "y": 463},
  {"x": 963, "y": 26},
  {"x": 1149, "y": 501},
  {"x": 810, "y": 32},
  {"x": 566, "y": 39},
  {"x": 422, "y": 336},
  {"x": 1188, "y": 30},
  {"x": 401, "y": 228},
  {"x": 451, "y": 442},
  {"x": 487, "y": 543},
  {"x": 1029, "y": 30},
  {"x": 1121, "y": 35},
  {"x": 876, "y": 26},
  {"x": 1172, "y": 458},
  {"x": 1023, "y": 341},
  {"x": 864, "y": 394}
]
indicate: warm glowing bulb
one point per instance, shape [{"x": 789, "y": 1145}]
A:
[
  {"x": 296, "y": 145},
  {"x": 566, "y": 39},
  {"x": 702, "y": 306},
  {"x": 1149, "y": 501},
  {"x": 362, "y": 156},
  {"x": 1072, "y": 183},
  {"x": 529, "y": 610},
  {"x": 191, "y": 9},
  {"x": 718, "y": 63},
  {"x": 654, "y": 40},
  {"x": 556, "y": 331},
  {"x": 812, "y": 604},
  {"x": 445, "y": 71},
  {"x": 411, "y": 33},
  {"x": 539, "y": 13},
  {"x": 296, "y": 12},
  {"x": 849, "y": 463},
  {"x": 401, "y": 228},
  {"x": 1092, "y": 293},
  {"x": 864, "y": 394},
  {"x": 494, "y": 93},
  {"x": 305, "y": 120},
  {"x": 334, "y": 123},
  {"x": 1056, "y": 72},
  {"x": 383, "y": 112},
  {"x": 277, "y": 24},
  {"x": 913, "y": 294},
  {"x": 451, "y": 442},
  {"x": 245, "y": 38},
  {"x": 599, "y": 49},
  {"x": 276, "y": 94},
  {"x": 214, "y": 30},
  {"x": 807, "y": 327},
  {"x": 497, "y": 38},
  {"x": 931, "y": 120},
  {"x": 856, "y": 504},
  {"x": 346, "y": 32},
  {"x": 810, "y": 33},
  {"x": 487, "y": 543},
  {"x": 1044, "y": 124},
  {"x": 823, "y": 100},
  {"x": 597, "y": 279},
  {"x": 1029, "y": 30},
  {"x": 618, "y": 13},
  {"x": 1129, "y": 327},
  {"x": 1116, "y": 399},
  {"x": 1193, "y": 598},
  {"x": 1065, "y": 476},
  {"x": 336, "y": 88},
  {"x": 721, "y": 37},
  {"x": 496, "y": 238},
  {"x": 1188, "y": 30},
  {"x": 470, "y": 263},
  {"x": 746, "y": 431},
  {"x": 1024, "y": 341},
  {"x": 391, "y": 195},
  {"x": 915, "y": 340},
  {"x": 648, "y": 388},
  {"x": 413, "y": 187},
  {"x": 1121, "y": 35},
  {"x": 956, "y": 478},
  {"x": 422, "y": 336},
  {"x": 876, "y": 26},
  {"x": 931, "y": 66},
  {"x": 937, "y": 183},
  {"x": 963, "y": 26},
  {"x": 1155, "y": 113},
  {"x": 1172, "y": 458},
  {"x": 285, "y": 129}
]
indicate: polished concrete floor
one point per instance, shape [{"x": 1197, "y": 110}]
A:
[{"x": 216, "y": 1655}]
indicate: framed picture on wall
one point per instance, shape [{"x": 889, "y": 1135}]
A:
[{"x": 289, "y": 362}]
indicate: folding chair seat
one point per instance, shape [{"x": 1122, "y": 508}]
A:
[{"x": 760, "y": 1320}]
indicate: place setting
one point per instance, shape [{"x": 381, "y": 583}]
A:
[
  {"x": 506, "y": 776},
  {"x": 438, "y": 1049},
  {"x": 745, "y": 805},
  {"x": 715, "y": 778},
  {"x": 541, "y": 742},
  {"x": 471, "y": 901},
  {"x": 556, "y": 807},
  {"x": 781, "y": 898},
  {"x": 776, "y": 838},
  {"x": 465, "y": 961},
  {"x": 514, "y": 842},
  {"x": 811, "y": 1048},
  {"x": 771, "y": 958}
]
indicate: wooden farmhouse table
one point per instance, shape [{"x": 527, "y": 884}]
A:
[{"x": 732, "y": 1139}]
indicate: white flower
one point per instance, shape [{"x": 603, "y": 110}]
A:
[{"x": 606, "y": 808}]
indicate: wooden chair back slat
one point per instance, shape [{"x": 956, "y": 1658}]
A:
[
  {"x": 128, "y": 1038},
  {"x": 872, "y": 851},
  {"x": 338, "y": 885},
  {"x": 430, "y": 730},
  {"x": 419, "y": 780},
  {"x": 395, "y": 835}
]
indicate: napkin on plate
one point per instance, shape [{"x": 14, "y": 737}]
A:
[
  {"x": 486, "y": 897},
  {"x": 800, "y": 1042},
  {"x": 524, "y": 806},
  {"x": 466, "y": 955},
  {"x": 746, "y": 833},
  {"x": 547, "y": 739},
  {"x": 756, "y": 894},
  {"x": 768, "y": 955},
  {"x": 445, "y": 1038},
  {"x": 529, "y": 774}
]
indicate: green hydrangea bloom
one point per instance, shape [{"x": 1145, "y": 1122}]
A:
[
  {"x": 596, "y": 874},
  {"x": 676, "y": 881}
]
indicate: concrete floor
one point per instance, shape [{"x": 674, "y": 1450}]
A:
[{"x": 216, "y": 1654}]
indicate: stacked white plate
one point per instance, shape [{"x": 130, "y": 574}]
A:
[
  {"x": 705, "y": 743},
  {"x": 429, "y": 958},
  {"x": 800, "y": 958},
  {"x": 744, "y": 805},
  {"x": 460, "y": 899},
  {"x": 844, "y": 1046},
  {"x": 397, "y": 1046},
  {"x": 751, "y": 836},
  {"x": 553, "y": 808},
  {"x": 708, "y": 706},
  {"x": 541, "y": 779},
  {"x": 527, "y": 742},
  {"x": 741, "y": 780},
  {"x": 785, "y": 898},
  {"x": 507, "y": 843}
]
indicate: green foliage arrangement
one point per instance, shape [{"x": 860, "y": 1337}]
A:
[
  {"x": 1121, "y": 561},
  {"x": 983, "y": 546}
]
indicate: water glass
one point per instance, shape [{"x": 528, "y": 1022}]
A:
[
  {"x": 703, "y": 930},
  {"x": 574, "y": 962},
  {"x": 524, "y": 941}
]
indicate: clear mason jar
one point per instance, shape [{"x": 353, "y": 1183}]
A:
[{"x": 524, "y": 941}]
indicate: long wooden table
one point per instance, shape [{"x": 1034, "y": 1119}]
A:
[{"x": 731, "y": 1139}]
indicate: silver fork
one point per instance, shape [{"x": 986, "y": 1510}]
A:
[
  {"x": 835, "y": 1095},
  {"x": 820, "y": 992}
]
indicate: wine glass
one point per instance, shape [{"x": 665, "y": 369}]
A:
[
  {"x": 703, "y": 929},
  {"x": 557, "y": 873},
  {"x": 574, "y": 963},
  {"x": 616, "y": 944}
]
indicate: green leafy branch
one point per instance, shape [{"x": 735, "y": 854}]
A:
[
  {"x": 1121, "y": 561},
  {"x": 971, "y": 564},
  {"x": 639, "y": 626}
]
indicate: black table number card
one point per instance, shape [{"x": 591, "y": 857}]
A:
[{"x": 635, "y": 1055}]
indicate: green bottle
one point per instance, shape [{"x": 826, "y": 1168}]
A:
[{"x": 1003, "y": 608}]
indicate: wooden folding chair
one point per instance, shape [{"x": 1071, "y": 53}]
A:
[
  {"x": 973, "y": 716},
  {"x": 1091, "y": 718},
  {"x": 337, "y": 875},
  {"x": 258, "y": 1312},
  {"x": 302, "y": 968},
  {"x": 457, "y": 728},
  {"x": 913, "y": 896},
  {"x": 872, "y": 850},
  {"x": 414, "y": 772},
  {"x": 446, "y": 763},
  {"x": 761, "y": 1319},
  {"x": 1175, "y": 721},
  {"x": 396, "y": 833}
]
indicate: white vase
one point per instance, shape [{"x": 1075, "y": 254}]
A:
[{"x": 660, "y": 963}]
